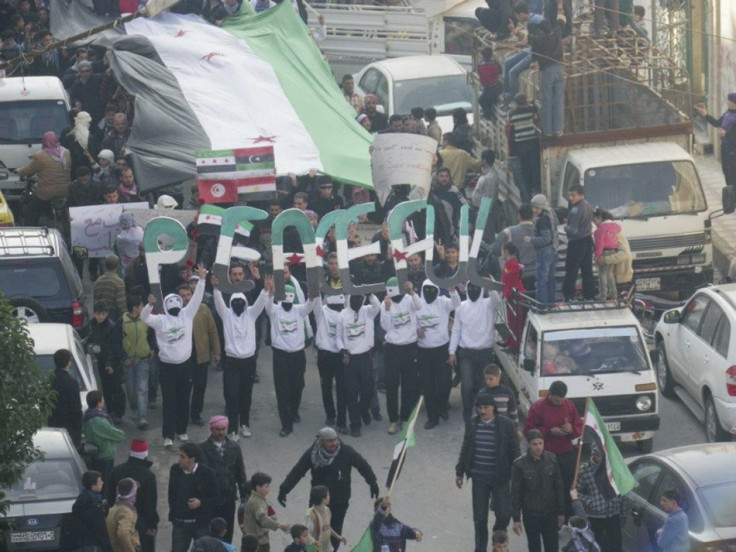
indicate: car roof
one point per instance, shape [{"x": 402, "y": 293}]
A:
[
  {"x": 419, "y": 67},
  {"x": 727, "y": 291},
  {"x": 30, "y": 89},
  {"x": 587, "y": 158},
  {"x": 583, "y": 319},
  {"x": 705, "y": 464},
  {"x": 54, "y": 442},
  {"x": 465, "y": 10},
  {"x": 49, "y": 337},
  {"x": 30, "y": 242}
]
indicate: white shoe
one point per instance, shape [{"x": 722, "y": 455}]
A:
[
  {"x": 245, "y": 431},
  {"x": 183, "y": 437},
  {"x": 168, "y": 443},
  {"x": 234, "y": 437}
]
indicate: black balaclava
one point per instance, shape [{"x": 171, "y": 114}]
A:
[
  {"x": 474, "y": 292},
  {"x": 238, "y": 306},
  {"x": 430, "y": 294},
  {"x": 337, "y": 308},
  {"x": 356, "y": 301}
]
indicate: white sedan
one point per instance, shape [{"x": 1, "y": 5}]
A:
[{"x": 418, "y": 81}]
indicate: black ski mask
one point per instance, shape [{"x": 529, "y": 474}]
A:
[
  {"x": 356, "y": 301},
  {"x": 430, "y": 294},
  {"x": 336, "y": 308},
  {"x": 286, "y": 306},
  {"x": 238, "y": 306},
  {"x": 474, "y": 292},
  {"x": 174, "y": 311}
]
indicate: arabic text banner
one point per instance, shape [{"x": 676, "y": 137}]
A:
[{"x": 94, "y": 227}]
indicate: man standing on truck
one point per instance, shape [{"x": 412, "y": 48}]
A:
[
  {"x": 559, "y": 422},
  {"x": 579, "y": 230}
]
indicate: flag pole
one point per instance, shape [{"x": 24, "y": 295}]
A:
[
  {"x": 409, "y": 431},
  {"x": 580, "y": 447}
]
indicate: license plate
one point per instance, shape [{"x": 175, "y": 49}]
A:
[
  {"x": 32, "y": 536},
  {"x": 648, "y": 284},
  {"x": 613, "y": 426}
]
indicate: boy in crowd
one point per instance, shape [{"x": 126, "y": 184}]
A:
[
  {"x": 503, "y": 396},
  {"x": 259, "y": 516},
  {"x": 389, "y": 533},
  {"x": 300, "y": 534},
  {"x": 111, "y": 375},
  {"x": 100, "y": 432}
]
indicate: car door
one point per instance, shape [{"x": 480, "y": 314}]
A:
[
  {"x": 526, "y": 374},
  {"x": 689, "y": 504},
  {"x": 683, "y": 334},
  {"x": 701, "y": 354},
  {"x": 641, "y": 507}
]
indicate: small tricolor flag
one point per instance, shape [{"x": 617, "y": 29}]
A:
[
  {"x": 406, "y": 441},
  {"x": 225, "y": 176},
  {"x": 209, "y": 221}
]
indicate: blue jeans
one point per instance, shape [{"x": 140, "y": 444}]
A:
[
  {"x": 136, "y": 384},
  {"x": 512, "y": 69},
  {"x": 546, "y": 264},
  {"x": 483, "y": 488},
  {"x": 553, "y": 99}
]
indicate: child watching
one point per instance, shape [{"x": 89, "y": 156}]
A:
[
  {"x": 489, "y": 72},
  {"x": 300, "y": 534},
  {"x": 100, "y": 432},
  {"x": 673, "y": 536},
  {"x": 259, "y": 517},
  {"x": 500, "y": 541},
  {"x": 389, "y": 534},
  {"x": 249, "y": 543},
  {"x": 216, "y": 539},
  {"x": 318, "y": 519},
  {"x": 511, "y": 279},
  {"x": 503, "y": 397},
  {"x": 606, "y": 243}
]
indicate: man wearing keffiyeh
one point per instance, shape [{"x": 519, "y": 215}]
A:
[{"x": 122, "y": 518}]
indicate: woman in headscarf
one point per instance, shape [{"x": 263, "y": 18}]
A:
[
  {"x": 52, "y": 165},
  {"x": 128, "y": 240},
  {"x": 727, "y": 133}
]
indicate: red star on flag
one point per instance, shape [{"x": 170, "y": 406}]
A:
[
  {"x": 398, "y": 255},
  {"x": 269, "y": 139},
  {"x": 321, "y": 252},
  {"x": 294, "y": 259}
]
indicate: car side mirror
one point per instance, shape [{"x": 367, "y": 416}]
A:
[
  {"x": 671, "y": 317},
  {"x": 728, "y": 199},
  {"x": 529, "y": 365},
  {"x": 93, "y": 349}
]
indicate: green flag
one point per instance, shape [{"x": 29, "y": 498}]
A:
[
  {"x": 365, "y": 544},
  {"x": 406, "y": 440}
]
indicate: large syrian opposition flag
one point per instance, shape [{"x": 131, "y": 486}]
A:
[
  {"x": 260, "y": 80},
  {"x": 618, "y": 475}
]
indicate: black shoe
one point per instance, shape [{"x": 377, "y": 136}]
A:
[
  {"x": 445, "y": 414},
  {"x": 284, "y": 432},
  {"x": 297, "y": 418},
  {"x": 431, "y": 424},
  {"x": 355, "y": 432},
  {"x": 366, "y": 418},
  {"x": 377, "y": 416},
  {"x": 456, "y": 380},
  {"x": 330, "y": 421},
  {"x": 198, "y": 421},
  {"x": 343, "y": 429}
]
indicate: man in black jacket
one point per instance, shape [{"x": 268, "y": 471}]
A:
[
  {"x": 87, "y": 526},
  {"x": 331, "y": 463},
  {"x": 67, "y": 411},
  {"x": 192, "y": 497},
  {"x": 489, "y": 448},
  {"x": 138, "y": 467},
  {"x": 537, "y": 492},
  {"x": 225, "y": 459}
]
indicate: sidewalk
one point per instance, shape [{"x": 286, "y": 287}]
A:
[{"x": 724, "y": 227}]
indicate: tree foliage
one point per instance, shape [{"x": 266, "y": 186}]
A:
[{"x": 26, "y": 399}]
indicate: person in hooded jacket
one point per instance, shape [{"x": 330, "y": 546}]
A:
[
  {"x": 329, "y": 360},
  {"x": 173, "y": 331},
  {"x": 288, "y": 340},
  {"x": 471, "y": 342},
  {"x": 239, "y": 364},
  {"x": 88, "y": 531},
  {"x": 433, "y": 340}
]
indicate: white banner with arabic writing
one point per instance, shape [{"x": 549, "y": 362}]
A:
[{"x": 94, "y": 227}]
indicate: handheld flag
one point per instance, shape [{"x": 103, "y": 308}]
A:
[
  {"x": 365, "y": 544},
  {"x": 618, "y": 474},
  {"x": 224, "y": 176},
  {"x": 406, "y": 440}
]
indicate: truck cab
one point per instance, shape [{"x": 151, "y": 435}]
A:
[{"x": 599, "y": 351}]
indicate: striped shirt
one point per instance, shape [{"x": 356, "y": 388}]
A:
[
  {"x": 484, "y": 459},
  {"x": 522, "y": 124},
  {"x": 504, "y": 401}
]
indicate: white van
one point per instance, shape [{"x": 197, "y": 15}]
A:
[
  {"x": 29, "y": 106},
  {"x": 599, "y": 351}
]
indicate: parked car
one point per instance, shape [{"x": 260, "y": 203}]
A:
[
  {"x": 49, "y": 338},
  {"x": 418, "y": 81},
  {"x": 39, "y": 279},
  {"x": 697, "y": 357},
  {"x": 704, "y": 475},
  {"x": 41, "y": 502}
]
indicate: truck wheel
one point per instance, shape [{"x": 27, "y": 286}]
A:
[
  {"x": 28, "y": 309},
  {"x": 664, "y": 376},
  {"x": 714, "y": 432},
  {"x": 645, "y": 446}
]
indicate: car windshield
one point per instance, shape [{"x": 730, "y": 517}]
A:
[
  {"x": 594, "y": 351},
  {"x": 720, "y": 500},
  {"x": 646, "y": 189},
  {"x": 49, "y": 479},
  {"x": 443, "y": 93},
  {"x": 25, "y": 122},
  {"x": 46, "y": 364},
  {"x": 33, "y": 280}
]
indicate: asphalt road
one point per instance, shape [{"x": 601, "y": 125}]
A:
[{"x": 425, "y": 495}]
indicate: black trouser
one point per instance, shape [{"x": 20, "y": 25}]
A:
[
  {"x": 579, "y": 258},
  {"x": 226, "y": 511},
  {"x": 288, "y": 379},
  {"x": 176, "y": 387},
  {"x": 607, "y": 533},
  {"x": 238, "y": 377},
  {"x": 544, "y": 527},
  {"x": 401, "y": 370},
  {"x": 436, "y": 378},
  {"x": 528, "y": 154},
  {"x": 199, "y": 386},
  {"x": 148, "y": 542},
  {"x": 360, "y": 385},
  {"x": 483, "y": 488},
  {"x": 112, "y": 390},
  {"x": 93, "y": 268},
  {"x": 331, "y": 368},
  {"x": 566, "y": 462},
  {"x": 338, "y": 511}
]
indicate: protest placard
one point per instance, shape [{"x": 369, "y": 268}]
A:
[
  {"x": 94, "y": 227},
  {"x": 402, "y": 159}
]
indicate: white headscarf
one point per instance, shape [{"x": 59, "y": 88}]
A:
[{"x": 81, "y": 128}]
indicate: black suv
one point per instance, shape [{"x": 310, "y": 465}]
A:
[{"x": 38, "y": 277}]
